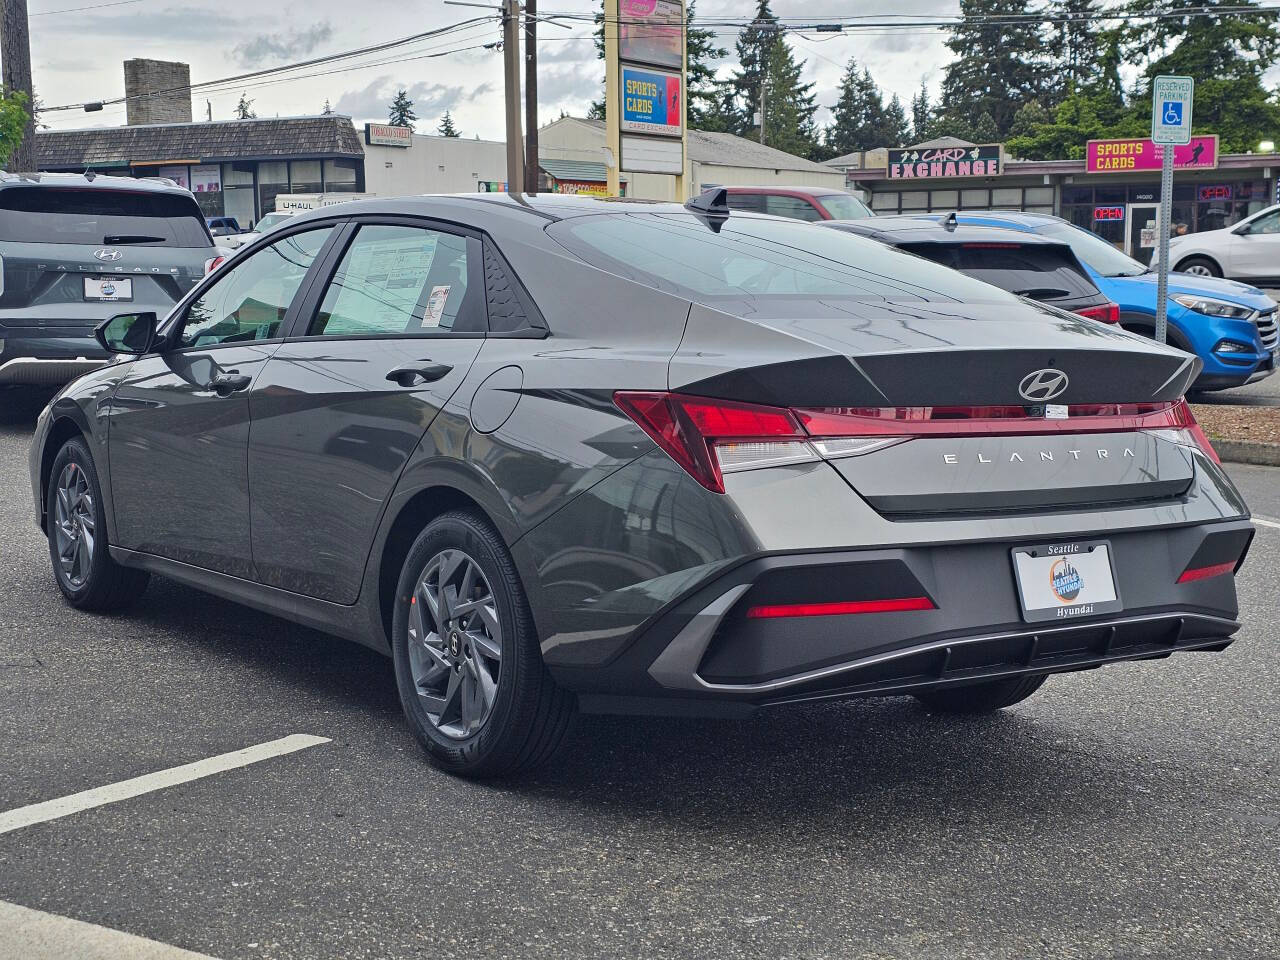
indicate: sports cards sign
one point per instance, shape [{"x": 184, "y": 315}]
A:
[{"x": 651, "y": 101}]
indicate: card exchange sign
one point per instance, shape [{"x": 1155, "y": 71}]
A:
[
  {"x": 651, "y": 101},
  {"x": 917, "y": 163}
]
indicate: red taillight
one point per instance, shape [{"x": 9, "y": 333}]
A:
[
  {"x": 1107, "y": 313},
  {"x": 1204, "y": 573},
  {"x": 213, "y": 264},
  {"x": 896, "y": 605},
  {"x": 688, "y": 429}
]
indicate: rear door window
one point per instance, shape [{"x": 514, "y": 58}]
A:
[
  {"x": 797, "y": 208},
  {"x": 101, "y": 217},
  {"x": 1042, "y": 272},
  {"x": 750, "y": 202},
  {"x": 401, "y": 281}
]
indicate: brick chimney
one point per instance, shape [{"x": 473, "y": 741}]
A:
[{"x": 159, "y": 91}]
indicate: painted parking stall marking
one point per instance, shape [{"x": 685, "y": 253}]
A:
[{"x": 126, "y": 789}]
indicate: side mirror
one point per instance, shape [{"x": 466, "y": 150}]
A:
[
  {"x": 1241, "y": 230},
  {"x": 130, "y": 333}
]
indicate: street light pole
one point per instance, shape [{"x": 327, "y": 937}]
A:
[
  {"x": 531, "y": 168},
  {"x": 511, "y": 74}
]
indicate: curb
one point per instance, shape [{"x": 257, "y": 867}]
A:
[{"x": 1247, "y": 451}]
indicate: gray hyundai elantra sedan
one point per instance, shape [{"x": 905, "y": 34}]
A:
[{"x": 557, "y": 454}]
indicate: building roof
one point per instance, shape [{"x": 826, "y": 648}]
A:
[
  {"x": 581, "y": 170},
  {"x": 846, "y": 160},
  {"x": 940, "y": 143},
  {"x": 260, "y": 139},
  {"x": 730, "y": 150}
]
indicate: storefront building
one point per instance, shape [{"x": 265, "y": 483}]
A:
[
  {"x": 1115, "y": 191},
  {"x": 236, "y": 168}
]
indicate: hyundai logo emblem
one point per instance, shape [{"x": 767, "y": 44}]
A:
[
  {"x": 108, "y": 254},
  {"x": 1041, "y": 386}
]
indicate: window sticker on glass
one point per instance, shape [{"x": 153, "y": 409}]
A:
[{"x": 435, "y": 305}]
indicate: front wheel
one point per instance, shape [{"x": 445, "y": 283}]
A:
[
  {"x": 471, "y": 678},
  {"x": 1200, "y": 267},
  {"x": 982, "y": 697},
  {"x": 75, "y": 523}
]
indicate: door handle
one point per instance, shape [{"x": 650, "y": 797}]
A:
[
  {"x": 225, "y": 384},
  {"x": 413, "y": 374}
]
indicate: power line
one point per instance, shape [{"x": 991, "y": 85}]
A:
[
  {"x": 93, "y": 6},
  {"x": 285, "y": 68}
]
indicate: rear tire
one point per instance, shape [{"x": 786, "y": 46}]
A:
[
  {"x": 473, "y": 686},
  {"x": 1199, "y": 267},
  {"x": 76, "y": 525},
  {"x": 982, "y": 697}
]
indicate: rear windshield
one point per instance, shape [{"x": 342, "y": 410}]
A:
[
  {"x": 1042, "y": 272},
  {"x": 754, "y": 259},
  {"x": 60, "y": 215}
]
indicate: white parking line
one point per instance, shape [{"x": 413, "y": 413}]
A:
[
  {"x": 27, "y": 934},
  {"x": 1267, "y": 523},
  {"x": 99, "y": 796}
]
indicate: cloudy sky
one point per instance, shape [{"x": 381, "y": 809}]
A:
[{"x": 77, "y": 55}]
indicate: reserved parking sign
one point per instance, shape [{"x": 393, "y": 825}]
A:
[{"x": 1171, "y": 99}]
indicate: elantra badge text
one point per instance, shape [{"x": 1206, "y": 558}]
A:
[
  {"x": 1044, "y": 455},
  {"x": 1041, "y": 386}
]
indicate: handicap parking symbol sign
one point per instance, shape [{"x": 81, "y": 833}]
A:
[{"x": 1172, "y": 113}]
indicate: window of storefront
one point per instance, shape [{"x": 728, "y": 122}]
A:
[
  {"x": 944, "y": 198},
  {"x": 273, "y": 180},
  {"x": 305, "y": 176},
  {"x": 237, "y": 193},
  {"x": 340, "y": 176}
]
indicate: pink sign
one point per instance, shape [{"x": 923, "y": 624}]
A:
[{"x": 1122, "y": 156}]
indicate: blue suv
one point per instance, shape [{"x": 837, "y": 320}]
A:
[{"x": 1230, "y": 326}]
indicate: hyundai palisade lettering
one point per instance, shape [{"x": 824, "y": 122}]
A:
[{"x": 558, "y": 454}]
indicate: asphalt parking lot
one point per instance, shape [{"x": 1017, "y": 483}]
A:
[{"x": 1122, "y": 813}]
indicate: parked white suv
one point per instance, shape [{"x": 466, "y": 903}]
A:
[{"x": 1249, "y": 250}]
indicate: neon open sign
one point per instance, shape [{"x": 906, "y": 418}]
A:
[
  {"x": 1207, "y": 193},
  {"x": 1108, "y": 213}
]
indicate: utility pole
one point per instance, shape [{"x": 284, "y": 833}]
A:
[
  {"x": 764, "y": 98},
  {"x": 531, "y": 169},
  {"x": 612, "y": 101},
  {"x": 15, "y": 60},
  {"x": 511, "y": 71}
]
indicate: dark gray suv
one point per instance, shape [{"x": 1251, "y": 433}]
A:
[
  {"x": 563, "y": 454},
  {"x": 76, "y": 249}
]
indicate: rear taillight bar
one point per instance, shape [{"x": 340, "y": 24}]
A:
[{"x": 709, "y": 437}]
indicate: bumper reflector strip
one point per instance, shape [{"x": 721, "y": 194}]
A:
[
  {"x": 1204, "y": 573},
  {"x": 898, "y": 605}
]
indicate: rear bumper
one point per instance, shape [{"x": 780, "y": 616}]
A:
[
  {"x": 705, "y": 656},
  {"x": 46, "y": 360}
]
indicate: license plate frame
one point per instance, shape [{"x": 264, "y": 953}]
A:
[
  {"x": 108, "y": 289},
  {"x": 1045, "y": 575}
]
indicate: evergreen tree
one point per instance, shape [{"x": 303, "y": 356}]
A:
[
  {"x": 1074, "y": 42},
  {"x": 705, "y": 94},
  {"x": 789, "y": 110},
  {"x": 921, "y": 115},
  {"x": 327, "y": 109},
  {"x": 446, "y": 127},
  {"x": 753, "y": 48},
  {"x": 999, "y": 65},
  {"x": 244, "y": 109},
  {"x": 858, "y": 116},
  {"x": 896, "y": 132},
  {"x": 401, "y": 111},
  {"x": 1228, "y": 55}
]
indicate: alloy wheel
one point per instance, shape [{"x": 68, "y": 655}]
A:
[
  {"x": 455, "y": 644},
  {"x": 1199, "y": 270},
  {"x": 75, "y": 529}
]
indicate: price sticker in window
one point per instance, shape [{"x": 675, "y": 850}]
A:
[{"x": 435, "y": 305}]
